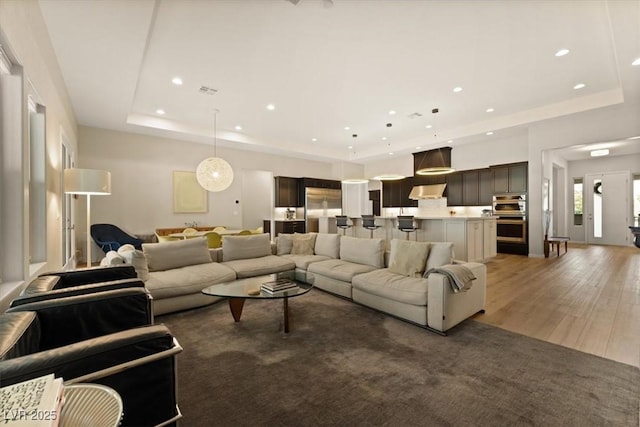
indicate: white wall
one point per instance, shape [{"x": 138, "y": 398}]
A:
[
  {"x": 24, "y": 34},
  {"x": 496, "y": 151},
  {"x": 141, "y": 179}
]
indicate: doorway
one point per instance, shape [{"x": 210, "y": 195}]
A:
[
  {"x": 607, "y": 208},
  {"x": 68, "y": 225}
]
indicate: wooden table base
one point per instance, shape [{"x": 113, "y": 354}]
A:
[{"x": 237, "y": 304}]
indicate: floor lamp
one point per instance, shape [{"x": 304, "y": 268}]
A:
[{"x": 89, "y": 182}]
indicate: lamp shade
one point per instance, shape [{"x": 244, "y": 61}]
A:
[
  {"x": 214, "y": 174},
  {"x": 87, "y": 181}
]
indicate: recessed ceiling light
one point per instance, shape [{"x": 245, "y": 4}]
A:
[
  {"x": 391, "y": 113},
  {"x": 384, "y": 138},
  {"x": 599, "y": 153},
  {"x": 636, "y": 62},
  {"x": 347, "y": 128},
  {"x": 350, "y": 147},
  {"x": 428, "y": 126},
  {"x": 391, "y": 153},
  {"x": 418, "y": 147},
  {"x": 314, "y": 139},
  {"x": 176, "y": 81},
  {"x": 489, "y": 133},
  {"x": 562, "y": 52},
  {"x": 238, "y": 127},
  {"x": 457, "y": 89},
  {"x": 160, "y": 111},
  {"x": 450, "y": 141},
  {"x": 271, "y": 107},
  {"x": 490, "y": 110},
  {"x": 579, "y": 86}
]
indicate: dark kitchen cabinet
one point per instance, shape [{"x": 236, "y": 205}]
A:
[
  {"x": 285, "y": 226},
  {"x": 287, "y": 194},
  {"x": 374, "y": 196},
  {"x": 395, "y": 194},
  {"x": 485, "y": 187},
  {"x": 320, "y": 183},
  {"x": 510, "y": 178},
  {"x": 454, "y": 191},
  {"x": 470, "y": 188}
]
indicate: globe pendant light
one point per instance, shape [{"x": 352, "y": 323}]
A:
[{"x": 214, "y": 174}]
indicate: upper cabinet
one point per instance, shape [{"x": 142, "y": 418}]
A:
[
  {"x": 511, "y": 178},
  {"x": 395, "y": 194},
  {"x": 287, "y": 192}
]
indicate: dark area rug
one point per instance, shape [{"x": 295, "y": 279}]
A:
[{"x": 343, "y": 364}]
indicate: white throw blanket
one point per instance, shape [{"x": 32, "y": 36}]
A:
[{"x": 460, "y": 277}]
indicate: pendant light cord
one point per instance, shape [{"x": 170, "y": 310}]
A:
[{"x": 215, "y": 133}]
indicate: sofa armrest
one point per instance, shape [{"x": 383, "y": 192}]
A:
[
  {"x": 93, "y": 275},
  {"x": 19, "y": 334},
  {"x": 76, "y": 290},
  {"x": 446, "y": 308},
  {"x": 71, "y": 319},
  {"x": 140, "y": 364}
]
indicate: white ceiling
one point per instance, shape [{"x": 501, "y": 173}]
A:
[{"x": 326, "y": 65}]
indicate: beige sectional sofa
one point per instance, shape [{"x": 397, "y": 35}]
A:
[{"x": 353, "y": 268}]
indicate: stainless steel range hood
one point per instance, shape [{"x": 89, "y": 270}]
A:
[{"x": 434, "y": 191}]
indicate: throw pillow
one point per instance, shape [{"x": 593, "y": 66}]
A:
[
  {"x": 244, "y": 247},
  {"x": 284, "y": 243},
  {"x": 181, "y": 253},
  {"x": 303, "y": 244},
  {"x": 408, "y": 258},
  {"x": 113, "y": 258},
  {"x": 441, "y": 253}
]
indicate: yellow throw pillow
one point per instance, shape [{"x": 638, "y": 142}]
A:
[
  {"x": 408, "y": 258},
  {"x": 303, "y": 244}
]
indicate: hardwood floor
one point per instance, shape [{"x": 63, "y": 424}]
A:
[{"x": 587, "y": 299}]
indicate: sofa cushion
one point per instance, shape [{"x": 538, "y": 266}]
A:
[
  {"x": 187, "y": 280},
  {"x": 440, "y": 253},
  {"x": 396, "y": 287},
  {"x": 181, "y": 253},
  {"x": 303, "y": 244},
  {"x": 339, "y": 269},
  {"x": 362, "y": 251},
  {"x": 408, "y": 258},
  {"x": 303, "y": 261},
  {"x": 245, "y": 247},
  {"x": 284, "y": 244},
  {"x": 259, "y": 266},
  {"x": 327, "y": 245}
]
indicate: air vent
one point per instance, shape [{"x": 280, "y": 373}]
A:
[
  {"x": 208, "y": 90},
  {"x": 414, "y": 115}
]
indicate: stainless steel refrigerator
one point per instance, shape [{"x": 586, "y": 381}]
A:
[{"x": 321, "y": 202}]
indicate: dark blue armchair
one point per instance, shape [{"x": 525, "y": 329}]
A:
[{"x": 110, "y": 238}]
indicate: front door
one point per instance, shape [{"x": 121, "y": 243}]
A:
[{"x": 608, "y": 198}]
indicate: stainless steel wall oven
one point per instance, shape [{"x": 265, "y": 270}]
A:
[{"x": 511, "y": 211}]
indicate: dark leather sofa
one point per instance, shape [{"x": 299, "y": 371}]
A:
[{"x": 85, "y": 333}]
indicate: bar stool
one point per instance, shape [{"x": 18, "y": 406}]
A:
[
  {"x": 406, "y": 224},
  {"x": 342, "y": 222},
  {"x": 369, "y": 222}
]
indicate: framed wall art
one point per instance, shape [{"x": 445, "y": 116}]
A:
[{"x": 188, "y": 195}]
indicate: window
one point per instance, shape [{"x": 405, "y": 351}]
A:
[
  {"x": 577, "y": 201},
  {"x": 37, "y": 184}
]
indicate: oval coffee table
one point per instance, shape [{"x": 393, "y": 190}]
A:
[{"x": 240, "y": 290}]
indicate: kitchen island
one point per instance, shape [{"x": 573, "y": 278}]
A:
[{"x": 474, "y": 237}]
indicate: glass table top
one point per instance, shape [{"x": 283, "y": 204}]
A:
[{"x": 250, "y": 287}]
